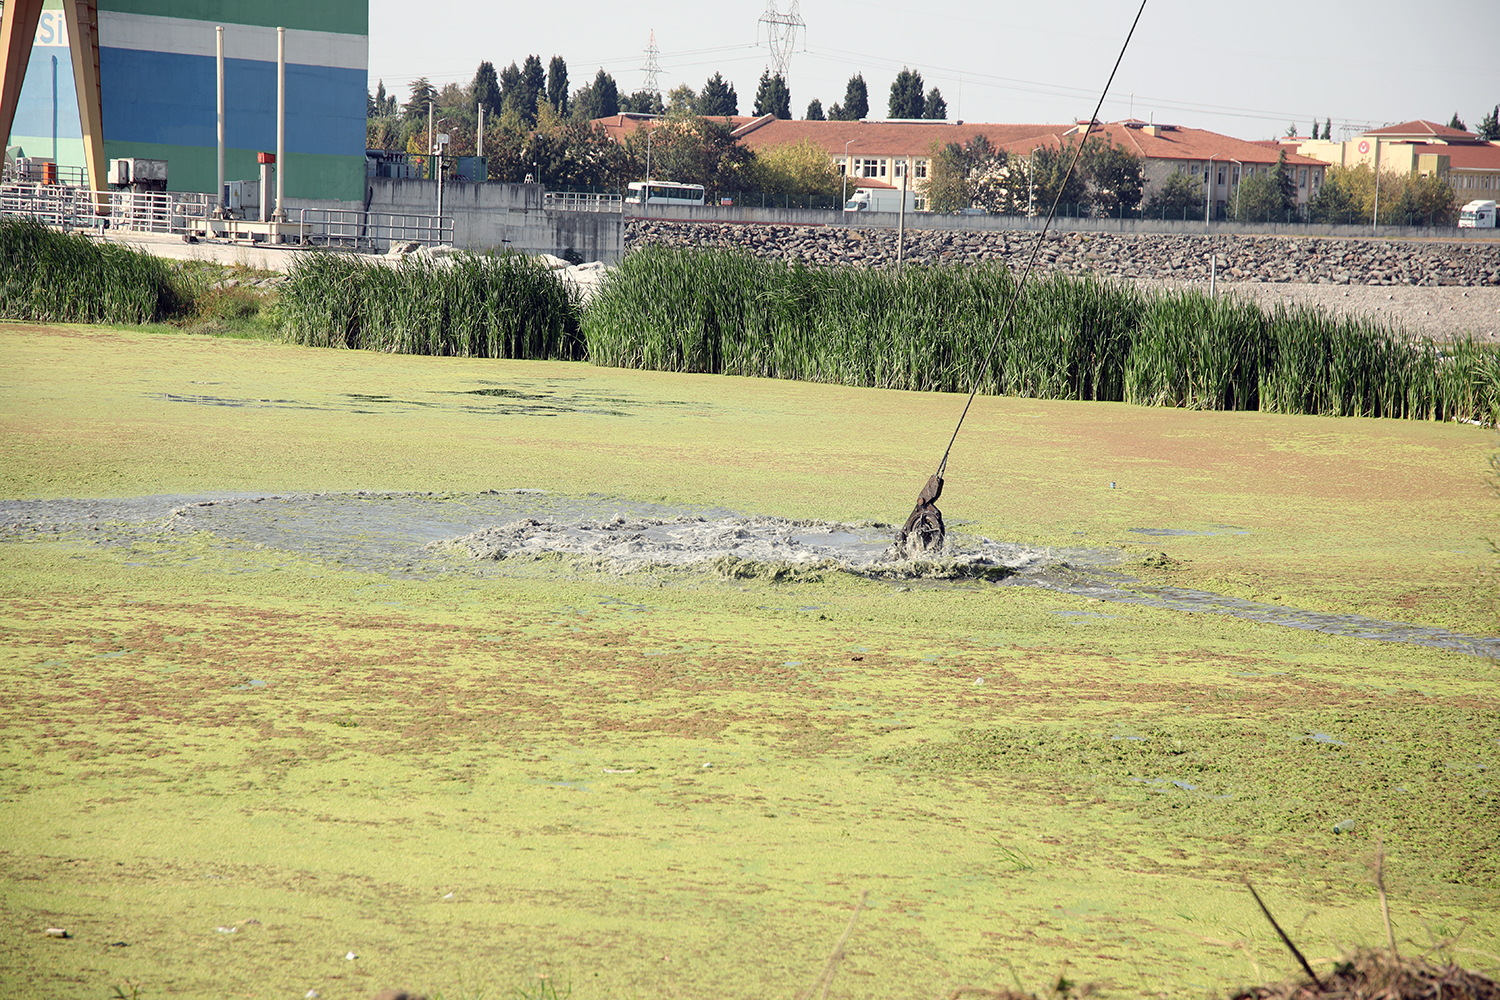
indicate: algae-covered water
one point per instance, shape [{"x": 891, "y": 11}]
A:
[{"x": 273, "y": 712}]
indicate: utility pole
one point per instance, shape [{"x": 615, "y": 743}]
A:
[
  {"x": 845, "y": 191},
  {"x": 901, "y": 220},
  {"x": 1208, "y": 203}
]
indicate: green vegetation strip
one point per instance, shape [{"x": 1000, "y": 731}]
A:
[
  {"x": 1078, "y": 338},
  {"x": 728, "y": 312}
]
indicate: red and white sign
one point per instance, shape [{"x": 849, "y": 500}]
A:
[{"x": 1364, "y": 147}]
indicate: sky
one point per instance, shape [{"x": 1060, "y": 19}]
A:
[{"x": 1248, "y": 70}]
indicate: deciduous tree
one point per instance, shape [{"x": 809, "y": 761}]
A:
[
  {"x": 681, "y": 100},
  {"x": 796, "y": 169},
  {"x": 1114, "y": 175},
  {"x": 1179, "y": 192}
]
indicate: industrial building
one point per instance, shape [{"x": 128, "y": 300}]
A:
[{"x": 157, "y": 82}]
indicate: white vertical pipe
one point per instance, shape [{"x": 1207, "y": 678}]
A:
[
  {"x": 280, "y": 121},
  {"x": 223, "y": 187},
  {"x": 480, "y": 150}
]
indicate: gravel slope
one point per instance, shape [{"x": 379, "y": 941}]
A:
[{"x": 1442, "y": 313}]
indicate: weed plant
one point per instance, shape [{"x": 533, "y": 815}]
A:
[
  {"x": 55, "y": 277},
  {"x": 504, "y": 306},
  {"x": 1077, "y": 338}
]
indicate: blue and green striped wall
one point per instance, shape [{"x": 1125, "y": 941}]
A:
[{"x": 158, "y": 76}]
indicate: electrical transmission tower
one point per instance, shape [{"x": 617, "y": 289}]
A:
[
  {"x": 652, "y": 69},
  {"x": 781, "y": 35}
]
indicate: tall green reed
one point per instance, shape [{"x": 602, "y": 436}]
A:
[
  {"x": 52, "y": 276},
  {"x": 929, "y": 328},
  {"x": 468, "y": 305}
]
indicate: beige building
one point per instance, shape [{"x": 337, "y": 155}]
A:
[
  {"x": 873, "y": 153},
  {"x": 1470, "y": 164}
]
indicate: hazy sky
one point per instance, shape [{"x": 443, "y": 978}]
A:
[{"x": 1244, "y": 69}]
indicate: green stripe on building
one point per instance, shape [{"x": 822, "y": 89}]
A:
[
  {"x": 350, "y": 17},
  {"x": 309, "y": 176}
]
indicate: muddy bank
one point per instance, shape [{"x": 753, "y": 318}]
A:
[{"x": 422, "y": 535}]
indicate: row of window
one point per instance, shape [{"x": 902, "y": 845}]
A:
[
  {"x": 878, "y": 167},
  {"x": 1483, "y": 182},
  {"x": 1232, "y": 173}
]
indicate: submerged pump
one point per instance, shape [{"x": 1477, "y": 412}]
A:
[{"x": 923, "y": 531}]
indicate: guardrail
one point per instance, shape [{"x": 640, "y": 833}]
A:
[
  {"x": 51, "y": 205},
  {"x": 372, "y": 230},
  {"x": 176, "y": 213},
  {"x": 579, "y": 201}
]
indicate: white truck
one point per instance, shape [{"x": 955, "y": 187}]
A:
[
  {"x": 880, "y": 200},
  {"x": 1477, "y": 215}
]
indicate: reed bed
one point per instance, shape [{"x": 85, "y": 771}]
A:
[
  {"x": 929, "y": 328},
  {"x": 503, "y": 306},
  {"x": 56, "y": 277}
]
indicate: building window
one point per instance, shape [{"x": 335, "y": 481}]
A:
[
  {"x": 1221, "y": 175},
  {"x": 868, "y": 168},
  {"x": 1302, "y": 177},
  {"x": 921, "y": 169},
  {"x": 1235, "y": 174}
]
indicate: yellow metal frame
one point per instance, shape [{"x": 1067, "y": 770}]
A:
[{"x": 18, "y": 24}]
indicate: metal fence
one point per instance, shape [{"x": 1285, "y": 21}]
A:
[
  {"x": 582, "y": 201},
  {"x": 51, "y": 204},
  {"x": 371, "y": 230},
  {"x": 175, "y": 213}
]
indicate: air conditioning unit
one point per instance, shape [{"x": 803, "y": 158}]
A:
[{"x": 119, "y": 172}]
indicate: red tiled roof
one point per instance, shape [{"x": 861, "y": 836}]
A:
[
  {"x": 1421, "y": 127},
  {"x": 1175, "y": 142},
  {"x": 882, "y": 138},
  {"x": 910, "y": 138},
  {"x": 621, "y": 125},
  {"x": 1464, "y": 156}
]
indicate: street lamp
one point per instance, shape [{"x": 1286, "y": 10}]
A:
[
  {"x": 1208, "y": 202},
  {"x": 1239, "y": 179},
  {"x": 845, "y": 188},
  {"x": 437, "y": 150},
  {"x": 1031, "y": 180}
]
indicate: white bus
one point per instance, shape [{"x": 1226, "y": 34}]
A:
[{"x": 664, "y": 193}]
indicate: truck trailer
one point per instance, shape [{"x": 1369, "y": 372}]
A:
[
  {"x": 880, "y": 200},
  {"x": 1477, "y": 215}
]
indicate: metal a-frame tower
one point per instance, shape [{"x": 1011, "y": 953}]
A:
[{"x": 18, "y": 25}]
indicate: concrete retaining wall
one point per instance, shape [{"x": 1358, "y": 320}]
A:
[{"x": 493, "y": 216}]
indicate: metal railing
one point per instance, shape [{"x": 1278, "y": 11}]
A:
[
  {"x": 175, "y": 213},
  {"x": 51, "y": 204},
  {"x": 158, "y": 211},
  {"x": 582, "y": 201},
  {"x": 371, "y": 230}
]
